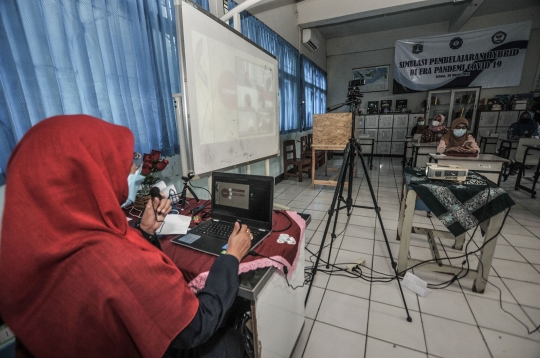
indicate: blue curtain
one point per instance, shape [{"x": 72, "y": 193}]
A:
[
  {"x": 313, "y": 90},
  {"x": 289, "y": 67},
  {"x": 112, "y": 59}
]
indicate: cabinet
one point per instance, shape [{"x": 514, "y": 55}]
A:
[
  {"x": 495, "y": 122},
  {"x": 453, "y": 103},
  {"x": 388, "y": 130}
]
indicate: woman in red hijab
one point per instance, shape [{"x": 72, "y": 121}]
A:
[{"x": 76, "y": 280}]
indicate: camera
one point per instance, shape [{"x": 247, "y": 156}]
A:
[{"x": 353, "y": 92}]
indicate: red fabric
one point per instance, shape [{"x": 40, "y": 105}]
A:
[
  {"x": 76, "y": 280},
  {"x": 192, "y": 262}
]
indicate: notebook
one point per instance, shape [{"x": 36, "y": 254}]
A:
[{"x": 248, "y": 199}]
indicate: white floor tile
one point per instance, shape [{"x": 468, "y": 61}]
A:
[
  {"x": 510, "y": 253},
  {"x": 390, "y": 324},
  {"x": 450, "y": 339},
  {"x": 447, "y": 304},
  {"x": 529, "y": 242},
  {"x": 504, "y": 345},
  {"x": 516, "y": 270},
  {"x": 314, "y": 301},
  {"x": 389, "y": 293},
  {"x": 488, "y": 314},
  {"x": 302, "y": 339},
  {"x": 329, "y": 341},
  {"x": 357, "y": 244},
  {"x": 525, "y": 293},
  {"x": 491, "y": 291},
  {"x": 350, "y": 286},
  {"x": 377, "y": 349},
  {"x": 531, "y": 255},
  {"x": 344, "y": 311}
]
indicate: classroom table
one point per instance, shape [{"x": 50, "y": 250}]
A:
[
  {"x": 408, "y": 145},
  {"x": 522, "y": 168},
  {"x": 332, "y": 181},
  {"x": 422, "y": 149},
  {"x": 459, "y": 207},
  {"x": 262, "y": 282},
  {"x": 485, "y": 140},
  {"x": 489, "y": 165}
]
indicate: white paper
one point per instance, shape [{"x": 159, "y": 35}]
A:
[
  {"x": 415, "y": 284},
  {"x": 161, "y": 185},
  {"x": 169, "y": 191},
  {"x": 174, "y": 224}
]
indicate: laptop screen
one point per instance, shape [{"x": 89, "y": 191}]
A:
[{"x": 247, "y": 198}]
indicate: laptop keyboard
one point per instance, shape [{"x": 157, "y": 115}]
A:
[{"x": 222, "y": 229}]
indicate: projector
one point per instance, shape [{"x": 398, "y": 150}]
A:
[{"x": 446, "y": 172}]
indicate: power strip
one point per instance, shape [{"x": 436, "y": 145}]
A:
[{"x": 359, "y": 262}]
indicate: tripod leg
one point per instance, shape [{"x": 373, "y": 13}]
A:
[
  {"x": 192, "y": 192},
  {"x": 378, "y": 211},
  {"x": 333, "y": 208},
  {"x": 347, "y": 160}
]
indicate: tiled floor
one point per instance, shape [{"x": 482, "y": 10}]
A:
[{"x": 349, "y": 317}]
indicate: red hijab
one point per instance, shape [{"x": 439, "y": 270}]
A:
[{"x": 75, "y": 279}]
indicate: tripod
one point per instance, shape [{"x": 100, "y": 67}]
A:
[
  {"x": 185, "y": 189},
  {"x": 346, "y": 173}
]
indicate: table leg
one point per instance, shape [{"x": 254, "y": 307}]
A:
[
  {"x": 404, "y": 229},
  {"x": 313, "y": 160},
  {"x": 486, "y": 255},
  {"x": 458, "y": 243}
]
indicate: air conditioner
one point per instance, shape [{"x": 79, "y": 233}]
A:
[{"x": 310, "y": 40}]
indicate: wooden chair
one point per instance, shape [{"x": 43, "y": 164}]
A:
[
  {"x": 300, "y": 165},
  {"x": 320, "y": 155}
]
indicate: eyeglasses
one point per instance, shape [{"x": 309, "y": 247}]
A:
[{"x": 137, "y": 159}]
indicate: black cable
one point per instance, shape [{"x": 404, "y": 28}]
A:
[{"x": 287, "y": 216}]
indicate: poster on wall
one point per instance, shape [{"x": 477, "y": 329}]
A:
[
  {"x": 376, "y": 78},
  {"x": 487, "y": 58}
]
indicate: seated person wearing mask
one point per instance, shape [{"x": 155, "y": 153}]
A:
[
  {"x": 76, "y": 279},
  {"x": 458, "y": 140},
  {"x": 435, "y": 131},
  {"x": 525, "y": 127},
  {"x": 419, "y": 127}
]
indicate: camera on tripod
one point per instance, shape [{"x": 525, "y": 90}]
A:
[{"x": 353, "y": 93}]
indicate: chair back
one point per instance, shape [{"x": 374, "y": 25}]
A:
[
  {"x": 504, "y": 152},
  {"x": 304, "y": 144},
  {"x": 289, "y": 150},
  {"x": 309, "y": 140},
  {"x": 532, "y": 157}
]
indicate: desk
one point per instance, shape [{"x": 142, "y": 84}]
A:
[
  {"x": 332, "y": 180},
  {"x": 487, "y": 140},
  {"x": 460, "y": 207},
  {"x": 489, "y": 165},
  {"x": 362, "y": 139},
  {"x": 422, "y": 149},
  {"x": 277, "y": 310},
  {"x": 507, "y": 150},
  {"x": 522, "y": 168},
  {"x": 408, "y": 145}
]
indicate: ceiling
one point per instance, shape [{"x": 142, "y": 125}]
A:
[{"x": 427, "y": 15}]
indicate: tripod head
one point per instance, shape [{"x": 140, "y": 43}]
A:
[
  {"x": 190, "y": 176},
  {"x": 354, "y": 96}
]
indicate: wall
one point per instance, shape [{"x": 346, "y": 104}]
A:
[{"x": 372, "y": 49}]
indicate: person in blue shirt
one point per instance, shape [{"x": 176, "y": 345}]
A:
[{"x": 525, "y": 127}]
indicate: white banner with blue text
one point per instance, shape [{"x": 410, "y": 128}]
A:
[{"x": 485, "y": 58}]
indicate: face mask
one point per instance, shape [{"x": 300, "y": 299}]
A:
[
  {"x": 134, "y": 181},
  {"x": 421, "y": 123},
  {"x": 459, "y": 132},
  {"x": 436, "y": 123}
]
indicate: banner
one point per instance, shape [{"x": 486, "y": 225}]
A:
[{"x": 485, "y": 58}]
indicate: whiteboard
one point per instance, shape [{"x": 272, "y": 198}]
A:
[{"x": 230, "y": 104}]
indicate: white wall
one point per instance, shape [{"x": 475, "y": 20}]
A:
[{"x": 373, "y": 49}]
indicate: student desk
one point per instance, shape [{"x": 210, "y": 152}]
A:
[
  {"x": 489, "y": 165},
  {"x": 277, "y": 310},
  {"x": 408, "y": 145},
  {"x": 460, "y": 207},
  {"x": 533, "y": 148},
  {"x": 485, "y": 140},
  {"x": 422, "y": 150}
]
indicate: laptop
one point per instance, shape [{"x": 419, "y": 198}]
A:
[{"x": 248, "y": 199}]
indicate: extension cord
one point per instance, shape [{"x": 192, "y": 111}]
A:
[{"x": 352, "y": 267}]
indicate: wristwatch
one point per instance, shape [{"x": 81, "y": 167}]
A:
[{"x": 152, "y": 238}]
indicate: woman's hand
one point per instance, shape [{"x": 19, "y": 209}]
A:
[
  {"x": 239, "y": 241},
  {"x": 163, "y": 206}
]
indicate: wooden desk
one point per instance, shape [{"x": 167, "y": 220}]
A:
[
  {"x": 422, "y": 149},
  {"x": 489, "y": 165},
  {"x": 491, "y": 227},
  {"x": 332, "y": 181},
  {"x": 522, "y": 168}
]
